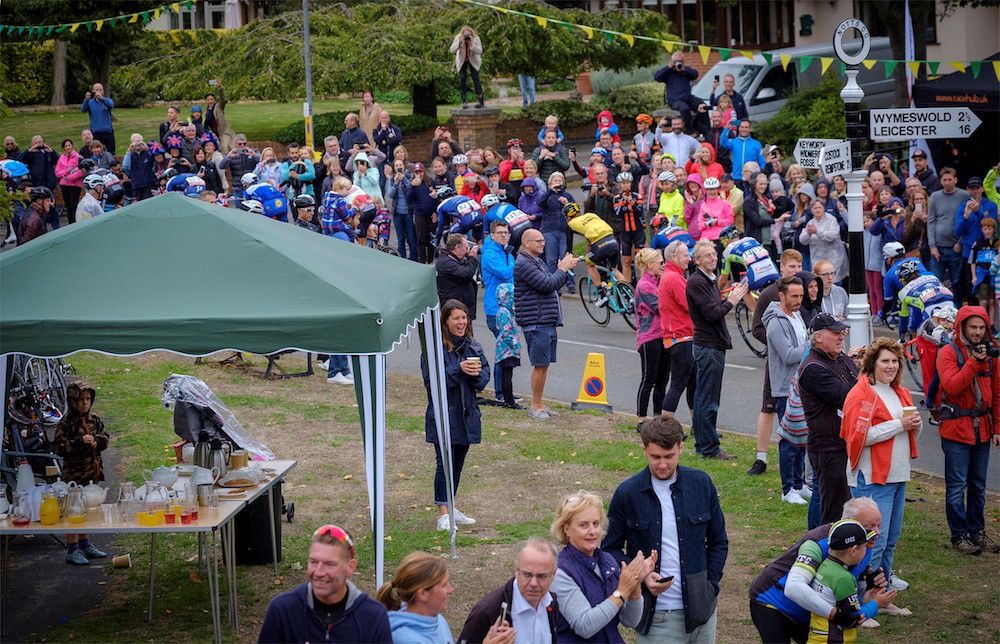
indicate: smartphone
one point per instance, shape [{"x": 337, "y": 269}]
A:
[
  {"x": 572, "y": 149},
  {"x": 716, "y": 78},
  {"x": 212, "y": 82},
  {"x": 663, "y": 580}
]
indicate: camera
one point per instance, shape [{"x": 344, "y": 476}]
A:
[
  {"x": 679, "y": 65},
  {"x": 468, "y": 37},
  {"x": 991, "y": 351},
  {"x": 586, "y": 186}
]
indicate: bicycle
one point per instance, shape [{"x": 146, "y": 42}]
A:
[
  {"x": 610, "y": 296},
  {"x": 24, "y": 437},
  {"x": 47, "y": 379},
  {"x": 911, "y": 353},
  {"x": 744, "y": 323}
]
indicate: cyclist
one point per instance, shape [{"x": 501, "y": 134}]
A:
[
  {"x": 273, "y": 200},
  {"x": 602, "y": 244},
  {"x": 457, "y": 214},
  {"x": 517, "y": 221},
  {"x": 114, "y": 191},
  {"x": 745, "y": 259},
  {"x": 919, "y": 293},
  {"x": 252, "y": 206},
  {"x": 92, "y": 203},
  {"x": 176, "y": 181},
  {"x": 625, "y": 204},
  {"x": 305, "y": 212},
  {"x": 669, "y": 233},
  {"x": 195, "y": 186}
]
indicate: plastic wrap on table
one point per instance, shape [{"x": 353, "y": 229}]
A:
[
  {"x": 245, "y": 476},
  {"x": 197, "y": 408}
]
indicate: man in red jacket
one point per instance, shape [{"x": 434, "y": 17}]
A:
[{"x": 969, "y": 401}]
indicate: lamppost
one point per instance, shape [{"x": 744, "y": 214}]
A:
[
  {"x": 307, "y": 106},
  {"x": 857, "y": 303}
]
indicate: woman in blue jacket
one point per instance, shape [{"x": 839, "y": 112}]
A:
[{"x": 466, "y": 371}]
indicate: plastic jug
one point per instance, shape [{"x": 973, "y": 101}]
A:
[
  {"x": 25, "y": 477},
  {"x": 76, "y": 509}
]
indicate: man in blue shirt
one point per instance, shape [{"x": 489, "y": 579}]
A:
[
  {"x": 743, "y": 148},
  {"x": 99, "y": 107}
]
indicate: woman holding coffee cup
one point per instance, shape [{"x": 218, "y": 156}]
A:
[
  {"x": 466, "y": 372},
  {"x": 880, "y": 427}
]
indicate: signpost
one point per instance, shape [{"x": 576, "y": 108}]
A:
[
  {"x": 835, "y": 159},
  {"x": 806, "y": 151},
  {"x": 922, "y": 123}
]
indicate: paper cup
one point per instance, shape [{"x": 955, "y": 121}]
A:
[
  {"x": 51, "y": 470},
  {"x": 908, "y": 411},
  {"x": 122, "y": 561}
]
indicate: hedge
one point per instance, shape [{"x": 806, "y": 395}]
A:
[
  {"x": 26, "y": 73},
  {"x": 333, "y": 123}
]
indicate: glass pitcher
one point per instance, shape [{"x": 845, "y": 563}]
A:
[
  {"x": 20, "y": 514},
  {"x": 4, "y": 504},
  {"x": 126, "y": 501},
  {"x": 76, "y": 509},
  {"x": 48, "y": 513}
]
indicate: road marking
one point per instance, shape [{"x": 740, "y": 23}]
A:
[{"x": 608, "y": 346}]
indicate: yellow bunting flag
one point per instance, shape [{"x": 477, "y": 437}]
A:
[
  {"x": 629, "y": 38},
  {"x": 100, "y": 23},
  {"x": 958, "y": 65},
  {"x": 914, "y": 66},
  {"x": 785, "y": 59},
  {"x": 669, "y": 46},
  {"x": 747, "y": 53},
  {"x": 868, "y": 63},
  {"x": 76, "y": 25},
  {"x": 996, "y": 68},
  {"x": 156, "y": 13},
  {"x": 588, "y": 31},
  {"x": 705, "y": 53},
  {"x": 824, "y": 65},
  {"x": 134, "y": 18},
  {"x": 176, "y": 7},
  {"x": 542, "y": 22}
]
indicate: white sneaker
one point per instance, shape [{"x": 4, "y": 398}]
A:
[
  {"x": 462, "y": 519},
  {"x": 323, "y": 364},
  {"x": 443, "y": 523},
  {"x": 898, "y": 583},
  {"x": 893, "y": 609},
  {"x": 341, "y": 379},
  {"x": 804, "y": 492},
  {"x": 870, "y": 623},
  {"x": 793, "y": 497}
]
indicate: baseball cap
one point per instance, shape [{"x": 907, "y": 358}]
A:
[
  {"x": 771, "y": 149},
  {"x": 846, "y": 534},
  {"x": 919, "y": 153},
  {"x": 196, "y": 108},
  {"x": 512, "y": 142},
  {"x": 826, "y": 322},
  {"x": 974, "y": 182},
  {"x": 666, "y": 176},
  {"x": 418, "y": 167}
]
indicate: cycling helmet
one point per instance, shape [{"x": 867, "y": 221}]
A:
[
  {"x": 304, "y": 201},
  {"x": 195, "y": 186},
  {"x": 249, "y": 179},
  {"x": 730, "y": 233},
  {"x": 40, "y": 192},
  {"x": 460, "y": 159},
  {"x": 944, "y": 311},
  {"x": 444, "y": 192},
  {"x": 92, "y": 181},
  {"x": 252, "y": 205},
  {"x": 489, "y": 201},
  {"x": 624, "y": 176},
  {"x": 512, "y": 142},
  {"x": 908, "y": 272},
  {"x": 169, "y": 174},
  {"x": 114, "y": 191},
  {"x": 87, "y": 165},
  {"x": 892, "y": 250},
  {"x": 492, "y": 171},
  {"x": 570, "y": 210},
  {"x": 667, "y": 175},
  {"x": 712, "y": 183}
]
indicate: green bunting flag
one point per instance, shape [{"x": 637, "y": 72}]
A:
[
  {"x": 977, "y": 66},
  {"x": 804, "y": 62},
  {"x": 890, "y": 67},
  {"x": 767, "y": 57},
  {"x": 724, "y": 53},
  {"x": 932, "y": 67}
]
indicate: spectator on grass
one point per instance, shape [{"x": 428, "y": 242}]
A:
[
  {"x": 189, "y": 142},
  {"x": 268, "y": 169},
  {"x": 676, "y": 143},
  {"x": 653, "y": 356},
  {"x": 210, "y": 144},
  {"x": 497, "y": 268},
  {"x": 172, "y": 125},
  {"x": 141, "y": 168},
  {"x": 417, "y": 598},
  {"x": 531, "y": 611},
  {"x": 207, "y": 171},
  {"x": 386, "y": 136},
  {"x": 86, "y": 138},
  {"x": 329, "y": 605},
  {"x": 655, "y": 511},
  {"x": 467, "y": 371},
  {"x": 596, "y": 592},
  {"x": 100, "y": 156},
  {"x": 537, "y": 310},
  {"x": 240, "y": 160},
  {"x": 369, "y": 115},
  {"x": 423, "y": 205},
  {"x": 398, "y": 191},
  {"x": 70, "y": 178},
  {"x": 98, "y": 107},
  {"x": 196, "y": 119},
  {"x": 215, "y": 118}
]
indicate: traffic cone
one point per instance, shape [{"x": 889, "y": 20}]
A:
[{"x": 593, "y": 385}]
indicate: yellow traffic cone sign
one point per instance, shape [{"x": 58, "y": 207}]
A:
[{"x": 593, "y": 385}]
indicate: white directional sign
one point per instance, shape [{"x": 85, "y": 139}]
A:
[
  {"x": 923, "y": 123},
  {"x": 806, "y": 151},
  {"x": 835, "y": 159}
]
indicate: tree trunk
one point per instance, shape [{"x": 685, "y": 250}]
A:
[
  {"x": 425, "y": 100},
  {"x": 59, "y": 74},
  {"x": 892, "y": 14}
]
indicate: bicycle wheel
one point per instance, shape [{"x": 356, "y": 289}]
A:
[
  {"x": 589, "y": 295},
  {"x": 624, "y": 294},
  {"x": 36, "y": 371},
  {"x": 57, "y": 384},
  {"x": 744, "y": 322},
  {"x": 389, "y": 250},
  {"x": 913, "y": 366}
]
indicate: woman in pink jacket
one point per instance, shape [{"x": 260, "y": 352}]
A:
[
  {"x": 714, "y": 214},
  {"x": 694, "y": 195},
  {"x": 70, "y": 178}
]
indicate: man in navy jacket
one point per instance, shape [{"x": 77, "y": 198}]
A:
[
  {"x": 328, "y": 608},
  {"x": 674, "y": 510}
]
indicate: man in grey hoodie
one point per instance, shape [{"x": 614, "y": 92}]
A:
[{"x": 786, "y": 342}]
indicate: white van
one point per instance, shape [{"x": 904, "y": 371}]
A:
[{"x": 766, "y": 88}]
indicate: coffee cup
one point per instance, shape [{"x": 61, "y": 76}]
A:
[
  {"x": 122, "y": 561},
  {"x": 238, "y": 459},
  {"x": 909, "y": 411},
  {"x": 51, "y": 470}
]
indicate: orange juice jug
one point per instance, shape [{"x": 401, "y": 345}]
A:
[{"x": 48, "y": 512}]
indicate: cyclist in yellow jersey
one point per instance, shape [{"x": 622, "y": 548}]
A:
[{"x": 602, "y": 246}]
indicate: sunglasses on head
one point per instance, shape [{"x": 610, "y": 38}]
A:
[{"x": 337, "y": 534}]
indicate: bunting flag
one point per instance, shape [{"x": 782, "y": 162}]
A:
[
  {"x": 590, "y": 34},
  {"x": 890, "y": 67},
  {"x": 996, "y": 68},
  {"x": 824, "y": 65},
  {"x": 768, "y": 57},
  {"x": 804, "y": 62},
  {"x": 41, "y": 31},
  {"x": 958, "y": 65},
  {"x": 914, "y": 66},
  {"x": 705, "y": 53},
  {"x": 747, "y": 54},
  {"x": 669, "y": 46},
  {"x": 785, "y": 59},
  {"x": 542, "y": 22},
  {"x": 869, "y": 64},
  {"x": 630, "y": 39},
  {"x": 976, "y": 66},
  {"x": 724, "y": 53},
  {"x": 932, "y": 67}
]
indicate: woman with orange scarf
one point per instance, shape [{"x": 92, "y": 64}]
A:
[{"x": 880, "y": 428}]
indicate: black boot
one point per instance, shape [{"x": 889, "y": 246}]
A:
[
  {"x": 465, "y": 104},
  {"x": 480, "y": 103}
]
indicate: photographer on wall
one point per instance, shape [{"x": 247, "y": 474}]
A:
[
  {"x": 968, "y": 405},
  {"x": 677, "y": 78},
  {"x": 468, "y": 50}
]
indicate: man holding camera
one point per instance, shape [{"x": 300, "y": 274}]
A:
[
  {"x": 677, "y": 79},
  {"x": 98, "y": 107},
  {"x": 353, "y": 138},
  {"x": 969, "y": 407}
]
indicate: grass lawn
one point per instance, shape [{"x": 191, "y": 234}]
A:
[{"x": 511, "y": 484}]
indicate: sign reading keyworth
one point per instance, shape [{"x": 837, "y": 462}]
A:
[
  {"x": 806, "y": 151},
  {"x": 835, "y": 159},
  {"x": 922, "y": 123}
]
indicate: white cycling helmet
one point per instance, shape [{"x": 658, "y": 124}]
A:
[
  {"x": 489, "y": 201},
  {"x": 91, "y": 181},
  {"x": 460, "y": 159},
  {"x": 892, "y": 250},
  {"x": 667, "y": 175},
  {"x": 254, "y": 206},
  {"x": 944, "y": 311},
  {"x": 249, "y": 179},
  {"x": 711, "y": 183},
  {"x": 624, "y": 176}
]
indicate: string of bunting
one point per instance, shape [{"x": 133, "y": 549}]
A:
[
  {"x": 44, "y": 31},
  {"x": 725, "y": 53}
]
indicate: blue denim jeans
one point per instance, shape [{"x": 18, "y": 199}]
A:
[
  {"x": 965, "y": 486},
  {"x": 458, "y": 454},
  {"x": 709, "y": 364},
  {"x": 338, "y": 364},
  {"x": 406, "y": 235},
  {"x": 527, "y": 84},
  {"x": 815, "y": 512},
  {"x": 890, "y": 499},
  {"x": 949, "y": 267},
  {"x": 491, "y": 324}
]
